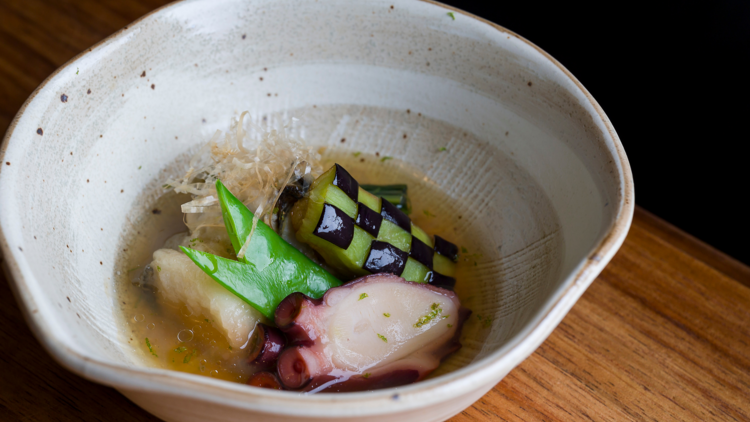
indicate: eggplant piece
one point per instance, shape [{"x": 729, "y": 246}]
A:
[
  {"x": 335, "y": 227},
  {"x": 385, "y": 258},
  {"x": 368, "y": 219},
  {"x": 391, "y": 213},
  {"x": 365, "y": 234}
]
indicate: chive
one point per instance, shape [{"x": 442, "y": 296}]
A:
[
  {"x": 386, "y": 158},
  {"x": 133, "y": 269},
  {"x": 451, "y": 15},
  {"x": 158, "y": 268},
  {"x": 366, "y": 375},
  {"x": 362, "y": 296},
  {"x": 356, "y": 154},
  {"x": 139, "y": 167},
  {"x": 395, "y": 194},
  {"x": 387, "y": 315},
  {"x": 188, "y": 357},
  {"x": 441, "y": 149},
  {"x": 76, "y": 71},
  {"x": 487, "y": 323},
  {"x": 382, "y": 337},
  {"x": 166, "y": 186},
  {"x": 150, "y": 349},
  {"x": 180, "y": 349}
]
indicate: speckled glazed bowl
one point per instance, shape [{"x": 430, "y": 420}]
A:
[{"x": 529, "y": 157}]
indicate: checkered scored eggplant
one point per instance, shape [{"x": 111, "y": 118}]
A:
[{"x": 358, "y": 233}]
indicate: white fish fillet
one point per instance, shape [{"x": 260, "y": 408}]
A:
[{"x": 179, "y": 280}]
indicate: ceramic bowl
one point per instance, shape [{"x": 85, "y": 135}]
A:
[{"x": 477, "y": 112}]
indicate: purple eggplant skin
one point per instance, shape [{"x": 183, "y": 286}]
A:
[
  {"x": 344, "y": 181},
  {"x": 391, "y": 213},
  {"x": 335, "y": 226},
  {"x": 385, "y": 258},
  {"x": 421, "y": 252},
  {"x": 443, "y": 281},
  {"x": 446, "y": 248},
  {"x": 368, "y": 220}
]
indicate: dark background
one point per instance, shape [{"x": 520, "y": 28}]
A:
[{"x": 673, "y": 80}]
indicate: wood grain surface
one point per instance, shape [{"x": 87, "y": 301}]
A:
[{"x": 662, "y": 334}]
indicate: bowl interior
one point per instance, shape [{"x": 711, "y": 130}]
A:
[{"x": 528, "y": 163}]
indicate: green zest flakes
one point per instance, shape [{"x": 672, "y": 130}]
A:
[
  {"x": 487, "y": 323},
  {"x": 387, "y": 315},
  {"x": 451, "y": 15},
  {"x": 382, "y": 337},
  {"x": 180, "y": 349},
  {"x": 150, "y": 348},
  {"x": 362, "y": 296},
  {"x": 435, "y": 311},
  {"x": 366, "y": 375},
  {"x": 190, "y": 356},
  {"x": 386, "y": 158}
]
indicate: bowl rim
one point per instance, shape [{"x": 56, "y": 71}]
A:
[{"x": 454, "y": 384}]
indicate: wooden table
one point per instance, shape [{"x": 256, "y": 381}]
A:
[{"x": 662, "y": 334}]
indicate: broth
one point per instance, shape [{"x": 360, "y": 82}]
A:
[{"x": 189, "y": 343}]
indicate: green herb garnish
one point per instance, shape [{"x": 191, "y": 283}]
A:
[
  {"x": 158, "y": 268},
  {"x": 366, "y": 375},
  {"x": 386, "y": 158},
  {"x": 464, "y": 250},
  {"x": 188, "y": 357},
  {"x": 387, "y": 315},
  {"x": 450, "y": 325},
  {"x": 429, "y": 214},
  {"x": 441, "y": 149},
  {"x": 166, "y": 186},
  {"x": 451, "y": 15},
  {"x": 139, "y": 167},
  {"x": 362, "y": 296},
  {"x": 150, "y": 349},
  {"x": 356, "y": 154},
  {"x": 206, "y": 319},
  {"x": 180, "y": 349},
  {"x": 382, "y": 337},
  {"x": 76, "y": 71},
  {"x": 435, "y": 311}
]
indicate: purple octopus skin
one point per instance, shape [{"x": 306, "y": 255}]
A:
[
  {"x": 378, "y": 331},
  {"x": 266, "y": 344},
  {"x": 265, "y": 380}
]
